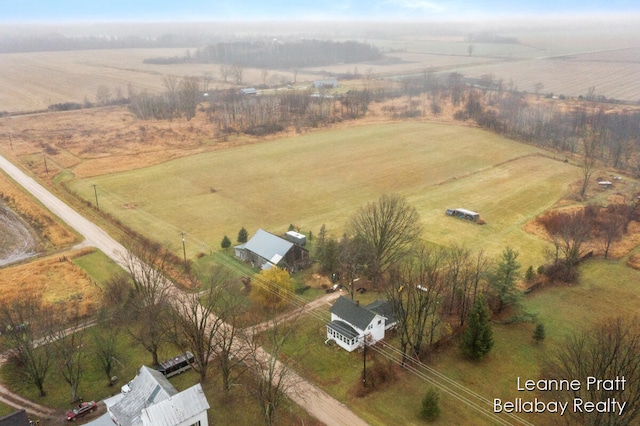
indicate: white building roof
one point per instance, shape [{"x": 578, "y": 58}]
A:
[
  {"x": 149, "y": 387},
  {"x": 178, "y": 408}
]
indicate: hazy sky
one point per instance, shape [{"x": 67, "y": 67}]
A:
[{"x": 194, "y": 10}]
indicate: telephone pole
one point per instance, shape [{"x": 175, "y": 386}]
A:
[{"x": 95, "y": 192}]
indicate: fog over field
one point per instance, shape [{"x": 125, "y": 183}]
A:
[{"x": 45, "y": 64}]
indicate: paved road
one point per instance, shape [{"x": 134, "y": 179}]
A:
[{"x": 313, "y": 400}]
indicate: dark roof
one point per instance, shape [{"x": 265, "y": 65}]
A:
[
  {"x": 343, "y": 328},
  {"x": 17, "y": 418},
  {"x": 268, "y": 246},
  {"x": 383, "y": 308},
  {"x": 352, "y": 312}
]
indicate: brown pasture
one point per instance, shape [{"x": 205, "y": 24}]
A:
[
  {"x": 55, "y": 278},
  {"x": 565, "y": 60}
]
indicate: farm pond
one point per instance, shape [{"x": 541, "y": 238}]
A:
[{"x": 18, "y": 240}]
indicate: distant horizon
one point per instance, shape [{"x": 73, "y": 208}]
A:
[{"x": 47, "y": 12}]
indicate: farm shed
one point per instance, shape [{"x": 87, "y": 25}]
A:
[
  {"x": 605, "y": 184},
  {"x": 249, "y": 91},
  {"x": 327, "y": 82},
  {"x": 350, "y": 322},
  {"x": 464, "y": 214},
  {"x": 265, "y": 250},
  {"x": 296, "y": 237},
  {"x": 152, "y": 400}
]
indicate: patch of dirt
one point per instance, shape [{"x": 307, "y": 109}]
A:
[{"x": 18, "y": 241}]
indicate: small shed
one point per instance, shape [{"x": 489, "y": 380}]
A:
[
  {"x": 464, "y": 214},
  {"x": 296, "y": 237},
  {"x": 249, "y": 91},
  {"x": 605, "y": 184}
]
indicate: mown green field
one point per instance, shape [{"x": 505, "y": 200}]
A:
[{"x": 324, "y": 177}]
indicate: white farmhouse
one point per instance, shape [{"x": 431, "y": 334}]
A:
[{"x": 351, "y": 322}]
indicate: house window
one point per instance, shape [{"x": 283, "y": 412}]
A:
[
  {"x": 379, "y": 321},
  {"x": 196, "y": 423}
]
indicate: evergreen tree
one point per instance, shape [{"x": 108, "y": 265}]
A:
[
  {"x": 539, "y": 333},
  {"x": 243, "y": 235},
  {"x": 477, "y": 338},
  {"x": 530, "y": 274},
  {"x": 226, "y": 243},
  {"x": 430, "y": 409},
  {"x": 504, "y": 279}
]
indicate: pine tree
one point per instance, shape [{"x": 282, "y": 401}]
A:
[
  {"x": 539, "y": 333},
  {"x": 477, "y": 338},
  {"x": 226, "y": 243},
  {"x": 503, "y": 281},
  {"x": 243, "y": 235},
  {"x": 430, "y": 409}
]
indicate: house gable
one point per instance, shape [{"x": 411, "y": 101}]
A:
[
  {"x": 351, "y": 322},
  {"x": 182, "y": 408},
  {"x": 352, "y": 313}
]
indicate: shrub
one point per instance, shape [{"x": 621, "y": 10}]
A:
[{"x": 430, "y": 409}]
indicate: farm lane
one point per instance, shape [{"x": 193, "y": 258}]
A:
[{"x": 315, "y": 401}]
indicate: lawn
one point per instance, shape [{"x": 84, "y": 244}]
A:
[
  {"x": 323, "y": 177},
  {"x": 607, "y": 288}
]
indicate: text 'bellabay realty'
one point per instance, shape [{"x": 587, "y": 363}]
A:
[{"x": 577, "y": 405}]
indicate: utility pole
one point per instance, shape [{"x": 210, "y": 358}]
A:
[
  {"x": 46, "y": 169},
  {"x": 95, "y": 192},
  {"x": 184, "y": 251},
  {"x": 365, "y": 341}
]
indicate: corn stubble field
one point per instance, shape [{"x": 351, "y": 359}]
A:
[{"x": 163, "y": 178}]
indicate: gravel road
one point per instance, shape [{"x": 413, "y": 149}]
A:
[{"x": 313, "y": 400}]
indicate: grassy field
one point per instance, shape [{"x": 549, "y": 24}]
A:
[
  {"x": 562, "y": 309},
  {"x": 33, "y": 81},
  {"x": 322, "y": 178}
]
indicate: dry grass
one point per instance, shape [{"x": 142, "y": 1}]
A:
[
  {"x": 48, "y": 227},
  {"x": 55, "y": 277}
]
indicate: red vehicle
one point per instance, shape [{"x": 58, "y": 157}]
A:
[{"x": 82, "y": 409}]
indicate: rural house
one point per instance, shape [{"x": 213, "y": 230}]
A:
[
  {"x": 151, "y": 400},
  {"x": 351, "y": 322},
  {"x": 265, "y": 250}
]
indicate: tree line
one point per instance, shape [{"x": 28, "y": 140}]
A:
[{"x": 275, "y": 54}]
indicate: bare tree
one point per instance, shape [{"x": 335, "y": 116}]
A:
[
  {"x": 225, "y": 70},
  {"x": 197, "y": 318},
  {"x": 103, "y": 95},
  {"x": 610, "y": 350},
  {"x": 390, "y": 227},
  {"x": 25, "y": 322},
  {"x": 274, "y": 377},
  {"x": 149, "y": 301},
  {"x": 415, "y": 289},
  {"x": 189, "y": 96},
  {"x": 589, "y": 159},
  {"x": 354, "y": 254},
  {"x": 67, "y": 345},
  {"x": 237, "y": 71},
  {"x": 105, "y": 339}
]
